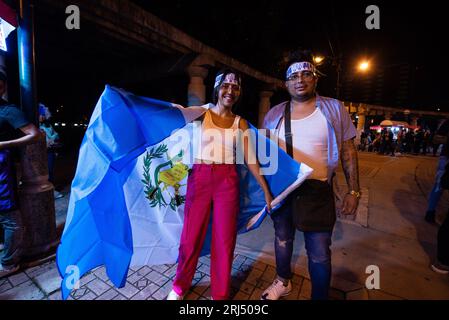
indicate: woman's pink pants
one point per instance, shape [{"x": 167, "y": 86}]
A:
[{"x": 216, "y": 187}]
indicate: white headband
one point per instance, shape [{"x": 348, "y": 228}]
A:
[
  {"x": 300, "y": 66},
  {"x": 218, "y": 80},
  {"x": 230, "y": 78}
]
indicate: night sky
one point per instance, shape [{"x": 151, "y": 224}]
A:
[
  {"x": 73, "y": 66},
  {"x": 259, "y": 33}
]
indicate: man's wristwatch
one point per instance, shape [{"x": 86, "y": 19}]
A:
[{"x": 357, "y": 194}]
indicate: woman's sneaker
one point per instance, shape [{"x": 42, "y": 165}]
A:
[
  {"x": 174, "y": 296},
  {"x": 277, "y": 290},
  {"x": 7, "y": 270}
]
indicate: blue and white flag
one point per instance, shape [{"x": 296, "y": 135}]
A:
[{"x": 127, "y": 197}]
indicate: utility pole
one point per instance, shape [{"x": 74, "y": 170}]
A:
[{"x": 336, "y": 61}]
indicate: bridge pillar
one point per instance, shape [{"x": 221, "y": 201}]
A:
[
  {"x": 197, "y": 89},
  {"x": 361, "y": 113},
  {"x": 361, "y": 120}
]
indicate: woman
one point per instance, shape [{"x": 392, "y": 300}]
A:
[{"x": 214, "y": 182}]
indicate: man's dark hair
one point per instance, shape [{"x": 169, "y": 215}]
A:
[
  {"x": 225, "y": 72},
  {"x": 299, "y": 55}
]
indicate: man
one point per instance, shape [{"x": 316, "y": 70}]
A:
[
  {"x": 52, "y": 139},
  {"x": 441, "y": 263},
  {"x": 435, "y": 195},
  {"x": 319, "y": 132},
  {"x": 11, "y": 119}
]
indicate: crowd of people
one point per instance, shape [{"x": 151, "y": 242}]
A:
[{"x": 389, "y": 142}]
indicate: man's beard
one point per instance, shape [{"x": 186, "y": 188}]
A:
[{"x": 305, "y": 97}]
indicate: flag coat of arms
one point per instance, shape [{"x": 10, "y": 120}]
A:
[{"x": 127, "y": 197}]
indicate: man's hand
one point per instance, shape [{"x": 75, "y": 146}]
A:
[
  {"x": 350, "y": 203},
  {"x": 350, "y": 166},
  {"x": 31, "y": 135},
  {"x": 268, "y": 200}
]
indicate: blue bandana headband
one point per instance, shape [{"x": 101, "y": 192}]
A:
[{"x": 300, "y": 66}]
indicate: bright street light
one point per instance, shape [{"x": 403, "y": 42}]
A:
[
  {"x": 318, "y": 59},
  {"x": 364, "y": 66}
]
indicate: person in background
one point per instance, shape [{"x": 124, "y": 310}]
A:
[
  {"x": 399, "y": 141},
  {"x": 15, "y": 131},
  {"x": 437, "y": 191},
  {"x": 426, "y": 141},
  {"x": 441, "y": 262},
  {"x": 52, "y": 138},
  {"x": 418, "y": 142}
]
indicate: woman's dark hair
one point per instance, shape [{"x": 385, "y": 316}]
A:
[{"x": 225, "y": 72}]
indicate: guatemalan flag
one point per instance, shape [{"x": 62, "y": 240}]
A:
[{"x": 126, "y": 202}]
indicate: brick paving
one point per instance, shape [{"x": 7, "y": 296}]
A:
[
  {"x": 250, "y": 276},
  {"x": 249, "y": 279}
]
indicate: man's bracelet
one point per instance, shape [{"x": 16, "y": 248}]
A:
[{"x": 357, "y": 194}]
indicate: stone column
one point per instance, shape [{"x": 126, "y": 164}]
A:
[
  {"x": 353, "y": 107},
  {"x": 361, "y": 113},
  {"x": 361, "y": 118},
  {"x": 36, "y": 200},
  {"x": 264, "y": 105},
  {"x": 197, "y": 89}
]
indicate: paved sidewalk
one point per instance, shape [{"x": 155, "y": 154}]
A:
[
  {"x": 42, "y": 282},
  {"x": 389, "y": 232},
  {"x": 249, "y": 279}
]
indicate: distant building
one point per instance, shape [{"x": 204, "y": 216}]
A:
[{"x": 392, "y": 85}]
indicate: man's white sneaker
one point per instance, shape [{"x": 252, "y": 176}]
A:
[
  {"x": 174, "y": 296},
  {"x": 440, "y": 268},
  {"x": 276, "y": 290}
]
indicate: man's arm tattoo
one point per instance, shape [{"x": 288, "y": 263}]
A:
[{"x": 349, "y": 162}]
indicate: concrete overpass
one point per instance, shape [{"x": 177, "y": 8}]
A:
[{"x": 130, "y": 24}]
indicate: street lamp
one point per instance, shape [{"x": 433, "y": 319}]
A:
[
  {"x": 318, "y": 60},
  {"x": 364, "y": 66}
]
